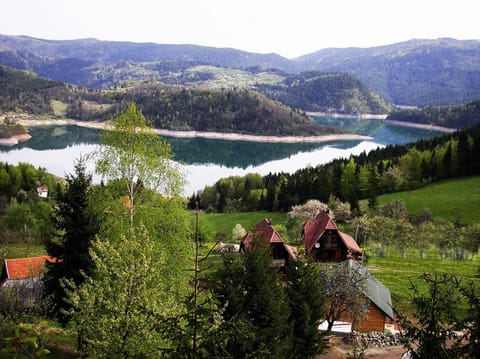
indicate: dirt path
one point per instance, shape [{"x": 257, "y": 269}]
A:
[{"x": 339, "y": 350}]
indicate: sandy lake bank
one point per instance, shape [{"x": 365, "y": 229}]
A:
[{"x": 210, "y": 135}]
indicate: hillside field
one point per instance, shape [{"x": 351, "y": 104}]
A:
[{"x": 448, "y": 200}]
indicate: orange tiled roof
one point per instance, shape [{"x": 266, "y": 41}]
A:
[{"x": 20, "y": 268}]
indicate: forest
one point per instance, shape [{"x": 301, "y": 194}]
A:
[
  {"x": 366, "y": 176},
  {"x": 168, "y": 107},
  {"x": 326, "y": 92},
  {"x": 459, "y": 116},
  {"x": 137, "y": 277}
]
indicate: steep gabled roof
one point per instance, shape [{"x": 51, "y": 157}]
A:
[
  {"x": 313, "y": 229},
  {"x": 21, "y": 268},
  {"x": 375, "y": 291},
  {"x": 265, "y": 231}
]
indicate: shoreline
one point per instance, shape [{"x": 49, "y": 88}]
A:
[
  {"x": 14, "y": 140},
  {"x": 208, "y": 135},
  {"x": 365, "y": 116},
  {"x": 383, "y": 117},
  {"x": 422, "y": 126}
]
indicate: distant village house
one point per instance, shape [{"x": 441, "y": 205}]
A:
[{"x": 42, "y": 192}]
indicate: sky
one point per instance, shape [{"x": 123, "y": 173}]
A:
[{"x": 288, "y": 28}]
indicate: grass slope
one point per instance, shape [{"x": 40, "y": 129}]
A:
[
  {"x": 448, "y": 200},
  {"x": 398, "y": 274},
  {"x": 214, "y": 223}
]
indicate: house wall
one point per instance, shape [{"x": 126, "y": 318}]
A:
[
  {"x": 323, "y": 254},
  {"x": 374, "y": 321}
]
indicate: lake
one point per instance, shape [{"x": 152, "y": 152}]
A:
[{"x": 206, "y": 160}]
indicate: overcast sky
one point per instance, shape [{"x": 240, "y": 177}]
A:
[{"x": 289, "y": 28}]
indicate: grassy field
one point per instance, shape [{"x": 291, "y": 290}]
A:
[
  {"x": 448, "y": 200},
  {"x": 398, "y": 274},
  {"x": 224, "y": 222}
]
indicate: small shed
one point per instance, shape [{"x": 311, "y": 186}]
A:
[
  {"x": 380, "y": 310},
  {"x": 22, "y": 278},
  {"x": 326, "y": 243},
  {"x": 265, "y": 231}
]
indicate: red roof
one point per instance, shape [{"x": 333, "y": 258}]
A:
[
  {"x": 20, "y": 268},
  {"x": 269, "y": 234},
  {"x": 313, "y": 229}
]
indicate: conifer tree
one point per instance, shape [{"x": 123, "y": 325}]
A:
[
  {"x": 307, "y": 308},
  {"x": 266, "y": 303},
  {"x": 76, "y": 227}
]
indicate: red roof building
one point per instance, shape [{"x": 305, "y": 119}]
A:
[
  {"x": 265, "y": 231},
  {"x": 326, "y": 243},
  {"x": 18, "y": 269}
]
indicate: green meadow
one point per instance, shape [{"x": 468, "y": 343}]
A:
[{"x": 448, "y": 200}]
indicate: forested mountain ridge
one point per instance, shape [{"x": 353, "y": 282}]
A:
[
  {"x": 415, "y": 72},
  {"x": 326, "y": 92},
  {"x": 168, "y": 107},
  {"x": 460, "y": 116}
]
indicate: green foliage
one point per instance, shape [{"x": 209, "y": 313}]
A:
[
  {"x": 76, "y": 226},
  {"x": 447, "y": 200},
  {"x": 253, "y": 301},
  {"x": 433, "y": 326},
  {"x": 324, "y": 92},
  {"x": 307, "y": 305},
  {"x": 366, "y": 176},
  {"x": 24, "y": 344},
  {"x": 119, "y": 310},
  {"x": 459, "y": 116},
  {"x": 131, "y": 151}
]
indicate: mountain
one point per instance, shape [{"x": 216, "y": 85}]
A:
[
  {"x": 459, "y": 116},
  {"x": 326, "y": 92},
  {"x": 167, "y": 107},
  {"x": 48, "y": 53},
  {"x": 417, "y": 72}
]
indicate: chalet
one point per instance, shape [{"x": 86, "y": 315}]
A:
[
  {"x": 379, "y": 316},
  {"x": 325, "y": 243},
  {"x": 265, "y": 231},
  {"x": 22, "y": 276},
  {"x": 42, "y": 192}
]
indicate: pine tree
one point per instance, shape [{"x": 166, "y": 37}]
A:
[
  {"x": 266, "y": 303},
  {"x": 307, "y": 308},
  {"x": 77, "y": 226}
]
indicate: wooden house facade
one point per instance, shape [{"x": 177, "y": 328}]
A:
[
  {"x": 326, "y": 243},
  {"x": 281, "y": 252}
]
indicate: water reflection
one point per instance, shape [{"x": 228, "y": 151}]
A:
[{"x": 207, "y": 160}]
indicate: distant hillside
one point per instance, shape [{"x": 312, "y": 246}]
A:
[
  {"x": 326, "y": 92},
  {"x": 448, "y": 116},
  {"x": 416, "y": 72},
  {"x": 168, "y": 107},
  {"x": 57, "y": 60}
]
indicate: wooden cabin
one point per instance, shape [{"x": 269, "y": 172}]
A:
[
  {"x": 380, "y": 314},
  {"x": 265, "y": 231},
  {"x": 326, "y": 243}
]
